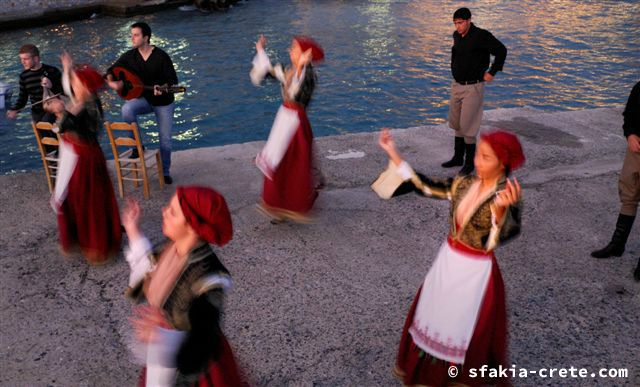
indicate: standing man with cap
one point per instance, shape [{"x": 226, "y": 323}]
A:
[{"x": 470, "y": 59}]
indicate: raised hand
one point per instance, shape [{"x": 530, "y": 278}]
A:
[
  {"x": 131, "y": 218},
  {"x": 46, "y": 83},
  {"x": 386, "y": 142},
  {"x": 67, "y": 60},
  {"x": 262, "y": 41},
  {"x": 508, "y": 196},
  {"x": 305, "y": 58}
]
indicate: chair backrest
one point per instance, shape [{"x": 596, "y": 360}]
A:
[
  {"x": 125, "y": 140},
  {"x": 41, "y": 129},
  {"x": 123, "y": 135},
  {"x": 48, "y": 143}
]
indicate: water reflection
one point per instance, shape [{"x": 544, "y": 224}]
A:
[{"x": 387, "y": 63}]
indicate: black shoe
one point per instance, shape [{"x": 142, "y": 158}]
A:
[
  {"x": 458, "y": 154},
  {"x": 615, "y": 248},
  {"x": 469, "y": 155},
  {"x": 636, "y": 273},
  {"x": 168, "y": 179}
]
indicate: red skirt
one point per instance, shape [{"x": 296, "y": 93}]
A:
[
  {"x": 292, "y": 191},
  {"x": 222, "y": 372},
  {"x": 488, "y": 345},
  {"x": 89, "y": 219}
]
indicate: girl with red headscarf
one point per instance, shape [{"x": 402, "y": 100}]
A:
[
  {"x": 184, "y": 284},
  {"x": 287, "y": 158},
  {"x": 458, "y": 319},
  {"x": 88, "y": 217}
]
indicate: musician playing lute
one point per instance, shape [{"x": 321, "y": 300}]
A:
[{"x": 154, "y": 68}]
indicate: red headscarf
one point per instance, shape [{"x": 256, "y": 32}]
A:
[
  {"x": 207, "y": 213},
  {"x": 506, "y": 146},
  {"x": 305, "y": 42},
  {"x": 89, "y": 77}
]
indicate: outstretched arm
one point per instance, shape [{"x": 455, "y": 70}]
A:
[
  {"x": 423, "y": 185},
  {"x": 388, "y": 145}
]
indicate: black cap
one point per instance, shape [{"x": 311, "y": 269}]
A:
[{"x": 462, "y": 13}]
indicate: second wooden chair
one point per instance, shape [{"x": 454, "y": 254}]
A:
[{"x": 132, "y": 161}]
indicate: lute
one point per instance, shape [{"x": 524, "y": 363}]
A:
[{"x": 133, "y": 87}]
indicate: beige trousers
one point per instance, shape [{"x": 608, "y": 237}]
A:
[
  {"x": 465, "y": 109},
  {"x": 629, "y": 184}
]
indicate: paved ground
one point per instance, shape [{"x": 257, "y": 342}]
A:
[{"x": 323, "y": 304}]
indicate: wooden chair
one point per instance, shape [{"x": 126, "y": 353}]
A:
[
  {"x": 125, "y": 139},
  {"x": 48, "y": 144}
]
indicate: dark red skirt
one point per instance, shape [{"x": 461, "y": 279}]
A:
[
  {"x": 89, "y": 219},
  {"x": 292, "y": 188},
  {"x": 488, "y": 344},
  {"x": 222, "y": 372}
]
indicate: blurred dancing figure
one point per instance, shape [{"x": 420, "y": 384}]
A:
[
  {"x": 88, "y": 216},
  {"x": 458, "y": 316},
  {"x": 184, "y": 284},
  {"x": 287, "y": 160}
]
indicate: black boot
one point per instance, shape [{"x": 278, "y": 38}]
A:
[
  {"x": 458, "y": 154},
  {"x": 615, "y": 248},
  {"x": 470, "y": 154},
  {"x": 636, "y": 274}
]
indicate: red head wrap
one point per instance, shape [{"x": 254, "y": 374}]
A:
[
  {"x": 305, "y": 42},
  {"x": 207, "y": 213},
  {"x": 89, "y": 77},
  {"x": 506, "y": 146}
]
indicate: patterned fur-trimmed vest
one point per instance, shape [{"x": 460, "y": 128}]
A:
[
  {"x": 204, "y": 274},
  {"x": 477, "y": 231}
]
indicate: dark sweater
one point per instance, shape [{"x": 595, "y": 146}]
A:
[
  {"x": 156, "y": 70},
  {"x": 470, "y": 55},
  {"x": 631, "y": 113},
  {"x": 30, "y": 87}
]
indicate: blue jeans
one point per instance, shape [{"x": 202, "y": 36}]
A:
[{"x": 164, "y": 116}]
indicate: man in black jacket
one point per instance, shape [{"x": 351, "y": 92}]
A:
[
  {"x": 628, "y": 182},
  {"x": 155, "y": 69},
  {"x": 33, "y": 79},
  {"x": 470, "y": 57}
]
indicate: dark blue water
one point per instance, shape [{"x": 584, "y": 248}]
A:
[{"x": 387, "y": 63}]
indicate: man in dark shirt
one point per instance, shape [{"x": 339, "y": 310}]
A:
[
  {"x": 470, "y": 57},
  {"x": 35, "y": 76},
  {"x": 628, "y": 182},
  {"x": 155, "y": 69}
]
